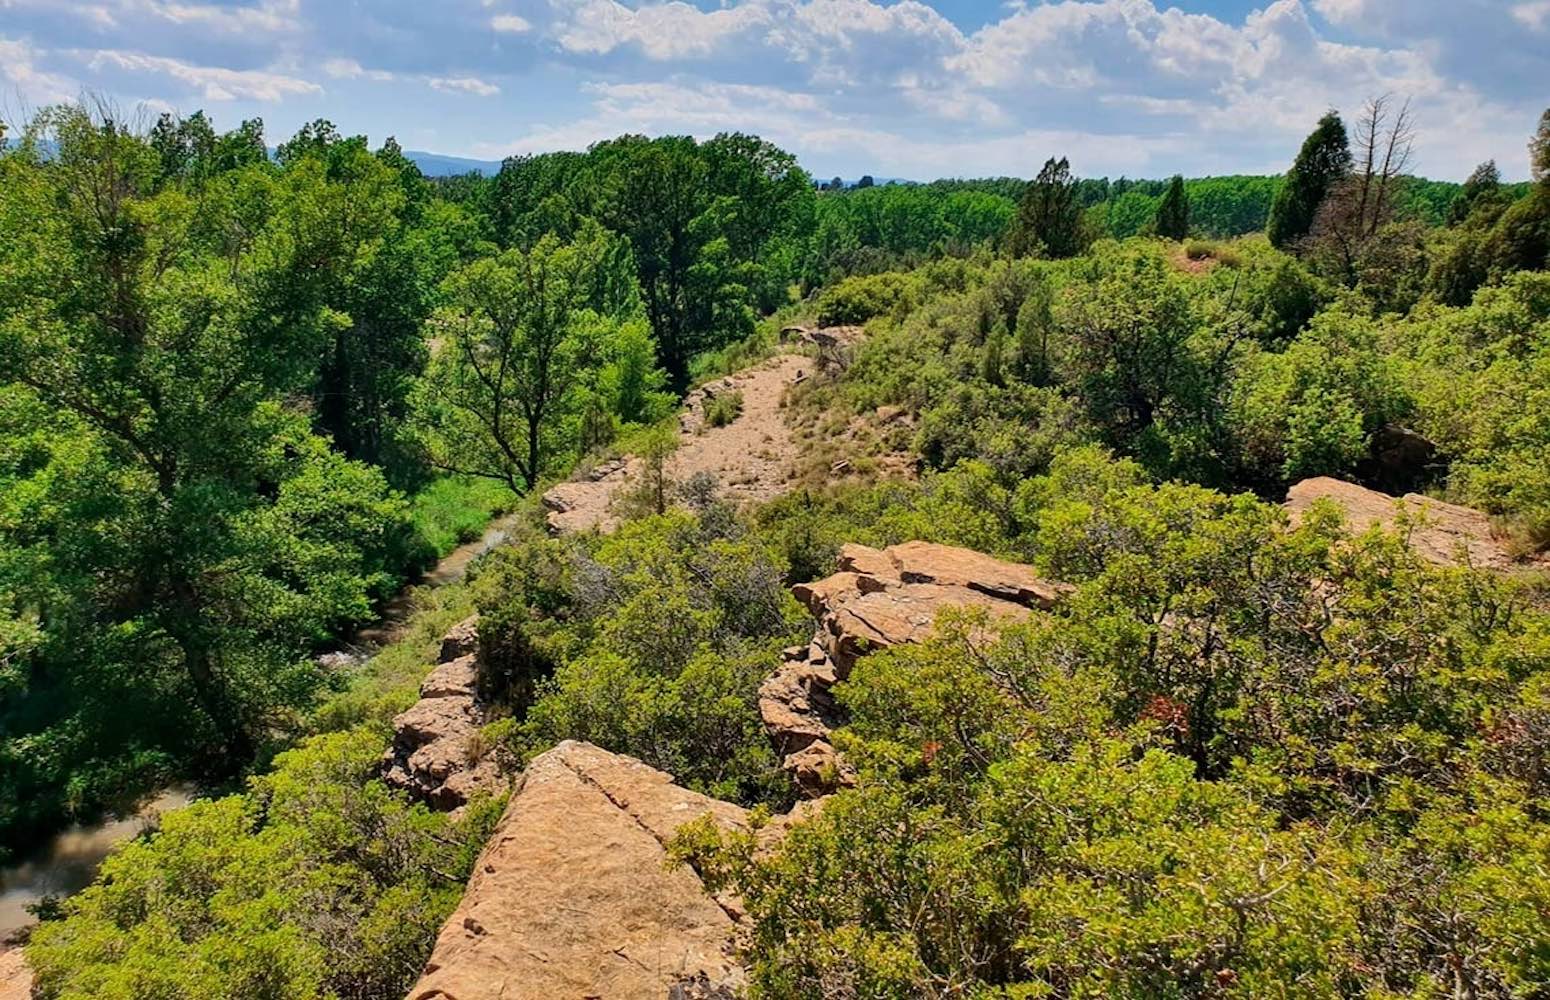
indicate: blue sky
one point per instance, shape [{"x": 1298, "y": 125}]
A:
[{"x": 891, "y": 87}]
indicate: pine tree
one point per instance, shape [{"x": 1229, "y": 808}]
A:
[
  {"x": 1049, "y": 216},
  {"x": 1539, "y": 150},
  {"x": 1485, "y": 182},
  {"x": 1324, "y": 160},
  {"x": 1173, "y": 212}
]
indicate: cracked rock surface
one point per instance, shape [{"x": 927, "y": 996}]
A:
[
  {"x": 572, "y": 897},
  {"x": 1443, "y": 533},
  {"x": 431, "y": 755},
  {"x": 879, "y": 598}
]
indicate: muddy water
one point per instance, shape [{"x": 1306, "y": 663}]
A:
[{"x": 68, "y": 862}]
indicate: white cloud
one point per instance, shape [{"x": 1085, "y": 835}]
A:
[
  {"x": 349, "y": 69},
  {"x": 662, "y": 31},
  {"x": 510, "y": 24},
  {"x": 35, "y": 86},
  {"x": 463, "y": 85},
  {"x": 213, "y": 83},
  {"x": 1535, "y": 14}
]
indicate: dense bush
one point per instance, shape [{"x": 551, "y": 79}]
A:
[
  {"x": 317, "y": 883},
  {"x": 854, "y": 301},
  {"x": 650, "y": 642},
  {"x": 1147, "y": 794}
]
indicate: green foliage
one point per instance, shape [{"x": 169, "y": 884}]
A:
[
  {"x": 723, "y": 409},
  {"x": 1146, "y": 793},
  {"x": 650, "y": 642},
  {"x": 1173, "y": 212},
  {"x": 1049, "y": 217},
  {"x": 1324, "y": 159},
  {"x": 315, "y": 883},
  {"x": 451, "y": 510},
  {"x": 179, "y": 535},
  {"x": 503, "y": 397},
  {"x": 854, "y": 301}
]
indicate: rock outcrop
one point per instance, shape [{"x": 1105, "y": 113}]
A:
[
  {"x": 433, "y": 756},
  {"x": 15, "y": 976},
  {"x": 879, "y": 598},
  {"x": 1443, "y": 533},
  {"x": 573, "y": 898}
]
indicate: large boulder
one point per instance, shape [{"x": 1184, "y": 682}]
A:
[
  {"x": 1443, "y": 533},
  {"x": 435, "y": 755},
  {"x": 879, "y": 598},
  {"x": 573, "y": 896}
]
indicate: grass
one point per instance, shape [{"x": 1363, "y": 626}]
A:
[
  {"x": 722, "y": 410},
  {"x": 455, "y": 509},
  {"x": 389, "y": 682}
]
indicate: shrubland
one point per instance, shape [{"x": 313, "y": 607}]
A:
[{"x": 1243, "y": 758}]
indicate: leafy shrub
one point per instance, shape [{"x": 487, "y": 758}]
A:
[
  {"x": 1147, "y": 794},
  {"x": 856, "y": 300},
  {"x": 722, "y": 409},
  {"x": 317, "y": 883},
  {"x": 650, "y": 642}
]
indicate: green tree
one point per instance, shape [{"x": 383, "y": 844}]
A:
[
  {"x": 1049, "y": 217},
  {"x": 214, "y": 540},
  {"x": 1323, "y": 161},
  {"x": 1483, "y": 187},
  {"x": 515, "y": 341},
  {"x": 1173, "y": 212},
  {"x": 657, "y": 194},
  {"x": 1539, "y": 150}
]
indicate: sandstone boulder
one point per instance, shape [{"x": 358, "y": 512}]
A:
[
  {"x": 435, "y": 751},
  {"x": 573, "y": 898},
  {"x": 879, "y": 598},
  {"x": 462, "y": 641},
  {"x": 15, "y": 976},
  {"x": 1443, "y": 533}
]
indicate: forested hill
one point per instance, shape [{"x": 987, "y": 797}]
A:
[{"x": 246, "y": 395}]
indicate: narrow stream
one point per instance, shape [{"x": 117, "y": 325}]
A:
[{"x": 68, "y": 861}]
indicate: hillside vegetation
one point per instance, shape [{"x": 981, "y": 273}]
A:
[{"x": 243, "y": 399}]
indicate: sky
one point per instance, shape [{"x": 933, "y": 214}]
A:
[{"x": 915, "y": 89}]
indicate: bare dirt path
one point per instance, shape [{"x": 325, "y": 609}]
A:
[{"x": 749, "y": 458}]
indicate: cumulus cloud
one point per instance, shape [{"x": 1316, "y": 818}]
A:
[
  {"x": 463, "y": 85},
  {"x": 512, "y": 24},
  {"x": 213, "y": 83},
  {"x": 18, "y": 68},
  {"x": 891, "y": 86}
]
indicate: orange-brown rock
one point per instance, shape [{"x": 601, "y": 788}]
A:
[
  {"x": 879, "y": 598},
  {"x": 572, "y": 897},
  {"x": 15, "y": 976},
  {"x": 433, "y": 756},
  {"x": 1443, "y": 533}
]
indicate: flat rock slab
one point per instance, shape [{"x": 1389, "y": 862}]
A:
[
  {"x": 572, "y": 897},
  {"x": 1443, "y": 533},
  {"x": 15, "y": 976}
]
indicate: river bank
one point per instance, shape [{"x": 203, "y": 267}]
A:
[{"x": 68, "y": 861}]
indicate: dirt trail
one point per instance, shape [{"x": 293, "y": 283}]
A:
[{"x": 749, "y": 458}]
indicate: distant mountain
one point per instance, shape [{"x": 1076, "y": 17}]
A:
[{"x": 437, "y": 165}]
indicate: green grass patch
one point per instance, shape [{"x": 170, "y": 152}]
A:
[
  {"x": 455, "y": 509},
  {"x": 389, "y": 682}
]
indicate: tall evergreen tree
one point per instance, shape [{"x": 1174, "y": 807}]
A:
[
  {"x": 1049, "y": 216},
  {"x": 1485, "y": 182},
  {"x": 1325, "y": 159},
  {"x": 1539, "y": 150},
  {"x": 1173, "y": 212}
]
